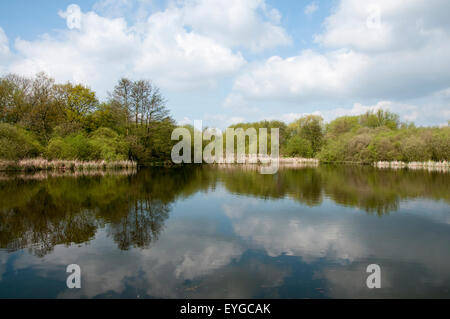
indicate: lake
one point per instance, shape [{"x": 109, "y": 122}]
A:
[{"x": 208, "y": 232}]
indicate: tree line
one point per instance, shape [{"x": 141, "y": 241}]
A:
[
  {"x": 41, "y": 118},
  {"x": 374, "y": 136}
]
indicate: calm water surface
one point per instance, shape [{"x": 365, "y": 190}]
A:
[{"x": 227, "y": 233}]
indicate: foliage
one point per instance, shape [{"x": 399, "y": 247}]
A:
[
  {"x": 102, "y": 144},
  {"x": 406, "y": 143},
  {"x": 77, "y": 100},
  {"x": 70, "y": 123},
  {"x": 16, "y": 143},
  {"x": 380, "y": 118},
  {"x": 310, "y": 128},
  {"x": 66, "y": 121},
  {"x": 298, "y": 146}
]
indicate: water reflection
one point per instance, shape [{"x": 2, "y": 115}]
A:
[{"x": 227, "y": 233}]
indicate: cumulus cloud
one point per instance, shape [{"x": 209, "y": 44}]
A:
[
  {"x": 189, "y": 44},
  {"x": 306, "y": 76},
  {"x": 385, "y": 25},
  {"x": 349, "y": 74},
  {"x": 249, "y": 24},
  {"x": 375, "y": 51},
  {"x": 97, "y": 53},
  {"x": 98, "y": 50}
]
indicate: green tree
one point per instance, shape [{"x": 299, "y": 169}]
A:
[
  {"x": 42, "y": 111},
  {"x": 342, "y": 125},
  {"x": 77, "y": 100},
  {"x": 380, "y": 118},
  {"x": 14, "y": 92},
  {"x": 17, "y": 143},
  {"x": 310, "y": 128},
  {"x": 298, "y": 146}
]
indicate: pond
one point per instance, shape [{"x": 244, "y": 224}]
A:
[{"x": 209, "y": 232}]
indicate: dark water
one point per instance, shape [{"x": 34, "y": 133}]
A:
[{"x": 221, "y": 233}]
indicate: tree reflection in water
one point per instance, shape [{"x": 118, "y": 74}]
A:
[{"x": 41, "y": 213}]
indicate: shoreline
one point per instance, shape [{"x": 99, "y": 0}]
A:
[{"x": 39, "y": 164}]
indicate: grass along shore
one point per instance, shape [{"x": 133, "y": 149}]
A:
[
  {"x": 443, "y": 166},
  {"x": 40, "y": 164}
]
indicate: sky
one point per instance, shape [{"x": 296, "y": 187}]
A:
[{"x": 229, "y": 61}]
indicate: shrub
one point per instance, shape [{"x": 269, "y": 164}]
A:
[
  {"x": 297, "y": 146},
  {"x": 72, "y": 147},
  {"x": 67, "y": 129},
  {"x": 439, "y": 144},
  {"x": 17, "y": 143},
  {"x": 103, "y": 144},
  {"x": 343, "y": 124},
  {"x": 108, "y": 145},
  {"x": 384, "y": 148},
  {"x": 356, "y": 149},
  {"x": 333, "y": 150},
  {"x": 415, "y": 149}
]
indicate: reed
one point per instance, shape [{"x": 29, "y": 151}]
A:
[
  {"x": 431, "y": 166},
  {"x": 40, "y": 164}
]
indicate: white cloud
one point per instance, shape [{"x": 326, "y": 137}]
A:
[
  {"x": 190, "y": 44},
  {"x": 250, "y": 24},
  {"x": 97, "y": 53},
  {"x": 308, "y": 75},
  {"x": 349, "y": 74},
  {"x": 311, "y": 8},
  {"x": 179, "y": 56},
  {"x": 98, "y": 50},
  {"x": 376, "y": 51},
  {"x": 385, "y": 25}
]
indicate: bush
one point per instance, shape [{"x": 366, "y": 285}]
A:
[
  {"x": 356, "y": 149},
  {"x": 67, "y": 129},
  {"x": 384, "y": 148},
  {"x": 72, "y": 147},
  {"x": 440, "y": 144},
  {"x": 415, "y": 149},
  {"x": 17, "y": 143},
  {"x": 108, "y": 145},
  {"x": 103, "y": 144},
  {"x": 343, "y": 124},
  {"x": 297, "y": 146}
]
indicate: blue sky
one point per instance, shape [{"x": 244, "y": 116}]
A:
[{"x": 226, "y": 61}]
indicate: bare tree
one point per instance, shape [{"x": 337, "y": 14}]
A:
[
  {"x": 142, "y": 100},
  {"x": 156, "y": 110},
  {"x": 141, "y": 97},
  {"x": 121, "y": 97}
]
